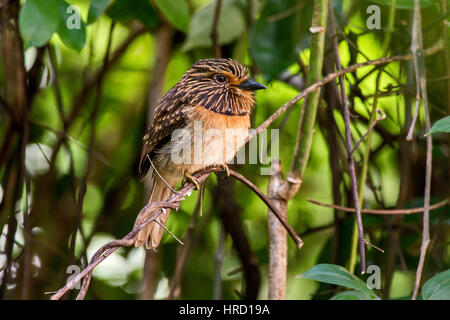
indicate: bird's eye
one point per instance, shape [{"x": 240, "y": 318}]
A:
[{"x": 220, "y": 78}]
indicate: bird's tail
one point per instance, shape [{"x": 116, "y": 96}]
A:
[{"x": 151, "y": 234}]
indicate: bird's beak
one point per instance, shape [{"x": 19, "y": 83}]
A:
[{"x": 251, "y": 85}]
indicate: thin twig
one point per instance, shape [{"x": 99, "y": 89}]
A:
[
  {"x": 229, "y": 213},
  {"x": 169, "y": 232},
  {"x": 218, "y": 261},
  {"x": 214, "y": 34},
  {"x": 332, "y": 76},
  {"x": 298, "y": 241},
  {"x": 348, "y": 144},
  {"x": 159, "y": 175},
  {"x": 373, "y": 246},
  {"x": 156, "y": 208},
  {"x": 419, "y": 66},
  {"x": 184, "y": 252},
  {"x": 382, "y": 211},
  {"x": 79, "y": 101},
  {"x": 381, "y": 116}
]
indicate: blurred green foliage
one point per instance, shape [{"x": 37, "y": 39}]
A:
[{"x": 269, "y": 36}]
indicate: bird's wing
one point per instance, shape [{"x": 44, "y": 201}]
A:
[{"x": 169, "y": 116}]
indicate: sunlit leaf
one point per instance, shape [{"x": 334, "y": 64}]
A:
[
  {"x": 176, "y": 11},
  {"x": 113, "y": 270},
  {"x": 37, "y": 158},
  {"x": 231, "y": 25},
  {"x": 96, "y": 9},
  {"x": 334, "y": 274},
  {"x": 93, "y": 200},
  {"x": 37, "y": 21},
  {"x": 438, "y": 287},
  {"x": 30, "y": 57},
  {"x": 441, "y": 126},
  {"x": 71, "y": 28}
]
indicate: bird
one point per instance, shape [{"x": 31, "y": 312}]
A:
[{"x": 215, "y": 96}]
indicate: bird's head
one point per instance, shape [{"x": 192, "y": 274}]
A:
[{"x": 219, "y": 85}]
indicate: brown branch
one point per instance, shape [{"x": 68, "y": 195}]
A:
[
  {"x": 336, "y": 154},
  {"x": 155, "y": 208},
  {"x": 91, "y": 83},
  {"x": 163, "y": 47},
  {"x": 381, "y": 116},
  {"x": 184, "y": 252},
  {"x": 219, "y": 256},
  {"x": 214, "y": 34},
  {"x": 277, "y": 235},
  {"x": 419, "y": 66},
  {"x": 295, "y": 237},
  {"x": 16, "y": 97},
  {"x": 188, "y": 187},
  {"x": 229, "y": 215},
  {"x": 348, "y": 145},
  {"x": 332, "y": 76},
  {"x": 382, "y": 211},
  {"x": 7, "y": 108},
  {"x": 112, "y": 246},
  {"x": 93, "y": 119}
]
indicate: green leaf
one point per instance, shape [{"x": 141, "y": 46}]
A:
[
  {"x": 142, "y": 10},
  {"x": 176, "y": 12},
  {"x": 274, "y": 53},
  {"x": 230, "y": 27},
  {"x": 334, "y": 274},
  {"x": 71, "y": 28},
  {"x": 441, "y": 126},
  {"x": 352, "y": 295},
  {"x": 96, "y": 9},
  {"x": 37, "y": 21},
  {"x": 404, "y": 4},
  {"x": 438, "y": 287}
]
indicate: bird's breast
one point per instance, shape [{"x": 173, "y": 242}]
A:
[{"x": 208, "y": 139}]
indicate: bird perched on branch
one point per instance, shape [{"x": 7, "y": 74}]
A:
[{"x": 196, "y": 125}]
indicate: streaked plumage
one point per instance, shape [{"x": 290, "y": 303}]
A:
[{"x": 216, "y": 92}]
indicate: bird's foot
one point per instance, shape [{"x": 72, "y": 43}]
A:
[
  {"x": 193, "y": 180},
  {"x": 225, "y": 173}
]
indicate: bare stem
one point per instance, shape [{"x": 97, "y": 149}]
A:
[
  {"x": 348, "y": 145},
  {"x": 419, "y": 66}
]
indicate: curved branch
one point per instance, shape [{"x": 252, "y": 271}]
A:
[
  {"x": 298, "y": 241},
  {"x": 187, "y": 188},
  {"x": 155, "y": 208}
]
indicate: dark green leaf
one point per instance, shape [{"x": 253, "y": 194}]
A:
[
  {"x": 142, "y": 10},
  {"x": 438, "y": 287},
  {"x": 441, "y": 126},
  {"x": 96, "y": 9},
  {"x": 37, "y": 21},
  {"x": 334, "y": 274},
  {"x": 176, "y": 12},
  {"x": 230, "y": 27},
  {"x": 272, "y": 52},
  {"x": 71, "y": 28},
  {"x": 352, "y": 295}
]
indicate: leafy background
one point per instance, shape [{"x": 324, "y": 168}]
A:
[{"x": 271, "y": 37}]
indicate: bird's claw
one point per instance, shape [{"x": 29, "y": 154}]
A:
[
  {"x": 193, "y": 180},
  {"x": 225, "y": 173}
]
